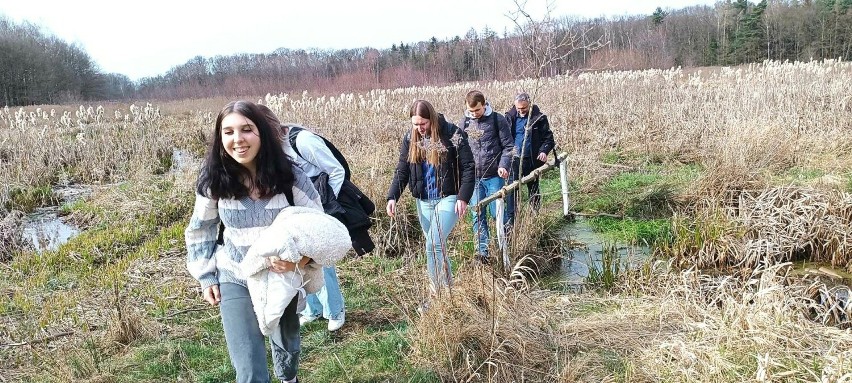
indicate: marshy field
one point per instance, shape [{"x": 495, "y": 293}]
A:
[{"x": 737, "y": 182}]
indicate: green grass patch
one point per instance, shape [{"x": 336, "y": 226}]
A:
[
  {"x": 362, "y": 281},
  {"x": 645, "y": 193},
  {"x": 81, "y": 206},
  {"x": 800, "y": 176},
  {"x": 370, "y": 356},
  {"x": 202, "y": 359},
  {"x": 550, "y": 188},
  {"x": 612, "y": 157},
  {"x": 624, "y": 194},
  {"x": 27, "y": 199},
  {"x": 644, "y": 231}
]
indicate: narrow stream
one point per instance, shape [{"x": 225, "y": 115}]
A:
[
  {"x": 45, "y": 229},
  {"x": 587, "y": 249}
]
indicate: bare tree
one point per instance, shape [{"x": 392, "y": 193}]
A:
[
  {"x": 546, "y": 44},
  {"x": 543, "y": 48}
]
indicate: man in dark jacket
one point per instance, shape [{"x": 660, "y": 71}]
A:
[
  {"x": 491, "y": 141},
  {"x": 533, "y": 140}
]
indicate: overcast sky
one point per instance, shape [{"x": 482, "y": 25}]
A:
[{"x": 148, "y": 37}]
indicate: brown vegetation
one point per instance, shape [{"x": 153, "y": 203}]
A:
[{"x": 770, "y": 142}]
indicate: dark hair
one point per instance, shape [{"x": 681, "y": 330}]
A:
[
  {"x": 474, "y": 97},
  {"x": 270, "y": 115},
  {"x": 221, "y": 176}
]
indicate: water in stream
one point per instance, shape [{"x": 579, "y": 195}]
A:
[
  {"x": 45, "y": 229},
  {"x": 587, "y": 249}
]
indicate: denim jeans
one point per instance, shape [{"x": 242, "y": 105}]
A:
[
  {"x": 437, "y": 219},
  {"x": 246, "y": 344},
  {"x": 328, "y": 302},
  {"x": 532, "y": 188},
  {"x": 483, "y": 188}
]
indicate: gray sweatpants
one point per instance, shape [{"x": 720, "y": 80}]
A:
[{"x": 246, "y": 344}]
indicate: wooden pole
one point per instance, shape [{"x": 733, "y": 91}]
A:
[
  {"x": 534, "y": 175},
  {"x": 563, "y": 180},
  {"x": 501, "y": 231}
]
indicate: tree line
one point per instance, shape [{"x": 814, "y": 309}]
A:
[
  {"x": 36, "y": 68},
  {"x": 40, "y": 69}
]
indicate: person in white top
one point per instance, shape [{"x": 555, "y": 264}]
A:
[{"x": 314, "y": 158}]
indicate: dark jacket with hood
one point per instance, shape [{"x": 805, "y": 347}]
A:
[
  {"x": 491, "y": 142},
  {"x": 455, "y": 174},
  {"x": 540, "y": 136}
]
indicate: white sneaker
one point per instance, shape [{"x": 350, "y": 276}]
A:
[
  {"x": 336, "y": 324},
  {"x": 306, "y": 319},
  {"x": 422, "y": 308}
]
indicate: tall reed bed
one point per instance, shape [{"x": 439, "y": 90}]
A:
[
  {"x": 745, "y": 129},
  {"x": 756, "y": 118},
  {"x": 61, "y": 146}
]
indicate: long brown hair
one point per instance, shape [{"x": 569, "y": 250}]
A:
[
  {"x": 221, "y": 176},
  {"x": 416, "y": 151}
]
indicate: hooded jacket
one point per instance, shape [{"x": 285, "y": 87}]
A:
[
  {"x": 455, "y": 173},
  {"x": 540, "y": 136},
  {"x": 491, "y": 141}
]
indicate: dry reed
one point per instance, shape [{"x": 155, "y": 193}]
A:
[
  {"x": 11, "y": 240},
  {"x": 741, "y": 126},
  {"x": 486, "y": 328},
  {"x": 788, "y": 223}
]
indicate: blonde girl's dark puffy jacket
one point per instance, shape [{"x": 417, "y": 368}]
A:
[{"x": 455, "y": 174}]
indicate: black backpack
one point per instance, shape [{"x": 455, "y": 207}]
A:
[
  {"x": 353, "y": 207},
  {"x": 295, "y": 130}
]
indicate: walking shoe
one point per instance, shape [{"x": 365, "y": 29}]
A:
[
  {"x": 336, "y": 324},
  {"x": 422, "y": 308},
  {"x": 306, "y": 319},
  {"x": 482, "y": 258}
]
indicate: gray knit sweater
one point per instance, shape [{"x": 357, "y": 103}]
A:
[{"x": 244, "y": 220}]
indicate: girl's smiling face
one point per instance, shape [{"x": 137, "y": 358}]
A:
[{"x": 241, "y": 140}]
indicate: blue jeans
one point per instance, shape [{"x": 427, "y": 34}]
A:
[
  {"x": 328, "y": 302},
  {"x": 483, "y": 188},
  {"x": 437, "y": 219},
  {"x": 532, "y": 188},
  {"x": 246, "y": 344}
]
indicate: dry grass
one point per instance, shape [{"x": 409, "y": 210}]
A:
[
  {"x": 667, "y": 326},
  {"x": 10, "y": 238},
  {"x": 789, "y": 223},
  {"x": 767, "y": 227},
  {"x": 741, "y": 127},
  {"x": 486, "y": 328},
  {"x": 737, "y": 329}
]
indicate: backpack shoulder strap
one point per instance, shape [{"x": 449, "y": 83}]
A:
[
  {"x": 291, "y": 135},
  {"x": 339, "y": 157},
  {"x": 294, "y": 132},
  {"x": 288, "y": 192}
]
